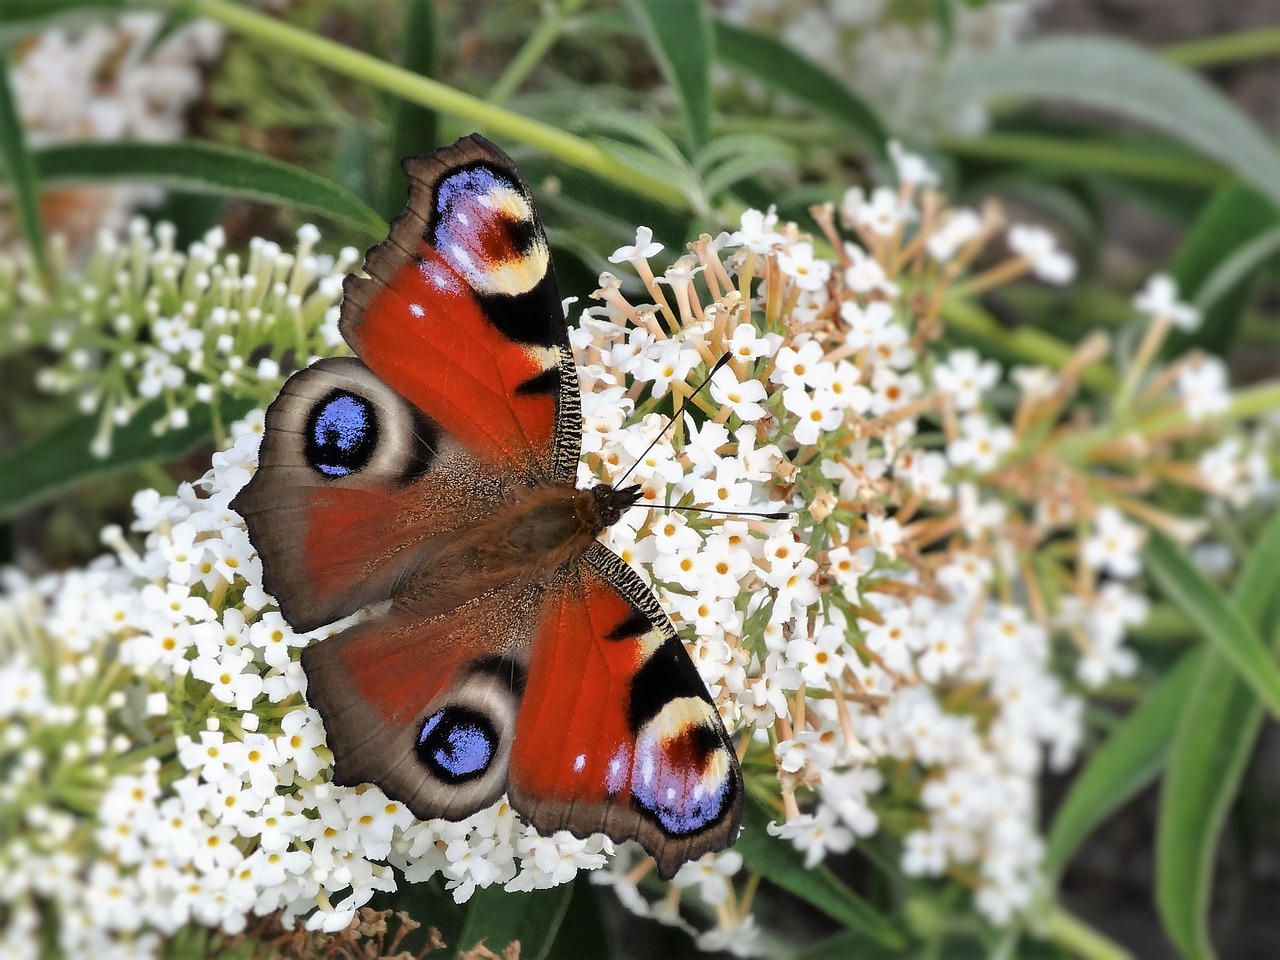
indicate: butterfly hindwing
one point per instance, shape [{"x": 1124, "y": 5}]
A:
[
  {"x": 352, "y": 481},
  {"x": 617, "y": 733},
  {"x": 460, "y": 314},
  {"x": 426, "y": 706}
]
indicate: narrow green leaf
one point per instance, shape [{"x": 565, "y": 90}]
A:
[
  {"x": 61, "y": 461},
  {"x": 682, "y": 41},
  {"x": 1234, "y": 216},
  {"x": 779, "y": 862},
  {"x": 776, "y": 65},
  {"x": 1237, "y": 268},
  {"x": 497, "y": 918},
  {"x": 19, "y": 167},
  {"x": 1222, "y": 624},
  {"x": 208, "y": 168},
  {"x": 1132, "y": 757},
  {"x": 1214, "y": 740},
  {"x": 1122, "y": 78},
  {"x": 415, "y": 129}
]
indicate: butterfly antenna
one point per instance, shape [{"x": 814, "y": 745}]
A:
[
  {"x": 725, "y": 358},
  {"x": 780, "y": 515}
]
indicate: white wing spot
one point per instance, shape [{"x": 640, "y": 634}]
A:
[
  {"x": 416, "y": 309},
  {"x": 579, "y": 762}
]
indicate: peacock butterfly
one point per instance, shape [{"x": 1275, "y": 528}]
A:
[{"x": 436, "y": 469}]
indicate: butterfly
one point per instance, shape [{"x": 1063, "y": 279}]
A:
[{"x": 436, "y": 469}]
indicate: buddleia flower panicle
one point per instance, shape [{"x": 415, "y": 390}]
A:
[
  {"x": 905, "y": 653},
  {"x": 145, "y": 329}
]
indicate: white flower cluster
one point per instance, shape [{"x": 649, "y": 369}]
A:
[
  {"x": 145, "y": 323},
  {"x": 890, "y": 53},
  {"x": 110, "y": 81}
]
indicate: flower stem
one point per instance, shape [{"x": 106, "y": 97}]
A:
[
  {"x": 535, "y": 47},
  {"x": 1082, "y": 940},
  {"x": 495, "y": 119}
]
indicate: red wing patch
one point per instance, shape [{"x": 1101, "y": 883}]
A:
[
  {"x": 461, "y": 315},
  {"x": 425, "y": 706},
  {"x": 617, "y": 733}
]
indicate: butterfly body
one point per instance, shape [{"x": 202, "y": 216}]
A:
[{"x": 435, "y": 469}]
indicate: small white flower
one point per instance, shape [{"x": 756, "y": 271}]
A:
[
  {"x": 911, "y": 168},
  {"x": 815, "y": 834},
  {"x": 958, "y": 229},
  {"x": 742, "y": 398},
  {"x": 1205, "y": 388},
  {"x": 799, "y": 263},
  {"x": 1115, "y": 545},
  {"x": 644, "y": 248},
  {"x": 1040, "y": 249},
  {"x": 1159, "y": 298}
]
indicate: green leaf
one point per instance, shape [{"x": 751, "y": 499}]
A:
[
  {"x": 781, "y": 863},
  {"x": 1132, "y": 757},
  {"x": 1124, "y": 79},
  {"x": 62, "y": 460},
  {"x": 1237, "y": 268},
  {"x": 682, "y": 41},
  {"x": 776, "y": 65},
  {"x": 1214, "y": 740},
  {"x": 20, "y": 18},
  {"x": 729, "y": 160},
  {"x": 497, "y": 918},
  {"x": 1233, "y": 218},
  {"x": 19, "y": 167},
  {"x": 1221, "y": 623},
  {"x": 207, "y": 168},
  {"x": 415, "y": 129}
]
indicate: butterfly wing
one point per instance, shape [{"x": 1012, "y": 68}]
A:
[
  {"x": 461, "y": 315},
  {"x": 465, "y": 386},
  {"x": 353, "y": 482},
  {"x": 617, "y": 733},
  {"x": 425, "y": 705}
]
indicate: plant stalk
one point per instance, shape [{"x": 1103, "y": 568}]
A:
[
  {"x": 490, "y": 117},
  {"x": 1082, "y": 940},
  {"x": 534, "y": 49}
]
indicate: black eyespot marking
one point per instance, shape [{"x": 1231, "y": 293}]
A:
[
  {"x": 636, "y": 624},
  {"x": 668, "y": 673},
  {"x": 548, "y": 381},
  {"x": 457, "y": 744},
  {"x": 341, "y": 434}
]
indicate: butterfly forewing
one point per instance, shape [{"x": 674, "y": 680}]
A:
[
  {"x": 353, "y": 483},
  {"x": 460, "y": 311}
]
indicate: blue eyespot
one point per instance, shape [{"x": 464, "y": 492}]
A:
[
  {"x": 672, "y": 786},
  {"x": 457, "y": 744},
  {"x": 341, "y": 434}
]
